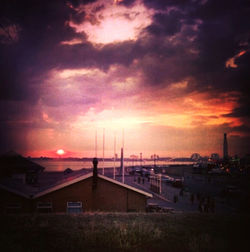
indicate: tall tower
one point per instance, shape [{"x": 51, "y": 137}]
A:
[{"x": 225, "y": 147}]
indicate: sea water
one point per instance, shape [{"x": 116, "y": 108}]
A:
[{"x": 61, "y": 165}]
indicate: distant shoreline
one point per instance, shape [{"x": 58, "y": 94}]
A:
[
  {"x": 62, "y": 164},
  {"x": 184, "y": 159}
]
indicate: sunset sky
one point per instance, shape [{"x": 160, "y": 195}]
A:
[{"x": 174, "y": 74}]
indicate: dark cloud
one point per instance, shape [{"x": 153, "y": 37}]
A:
[
  {"x": 239, "y": 144},
  {"x": 224, "y": 33},
  {"x": 166, "y": 24},
  {"x": 221, "y": 32},
  {"x": 78, "y": 17},
  {"x": 127, "y": 3},
  {"x": 8, "y": 141},
  {"x": 41, "y": 29},
  {"x": 242, "y": 129},
  {"x": 243, "y": 109},
  {"x": 77, "y": 3},
  {"x": 162, "y": 4}
]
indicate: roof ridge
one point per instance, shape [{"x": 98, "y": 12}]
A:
[{"x": 56, "y": 187}]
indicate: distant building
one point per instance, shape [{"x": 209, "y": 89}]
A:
[
  {"x": 154, "y": 157},
  {"x": 134, "y": 157},
  {"x": 215, "y": 156},
  {"x": 195, "y": 156},
  {"x": 17, "y": 167}
]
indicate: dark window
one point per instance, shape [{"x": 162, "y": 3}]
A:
[
  {"x": 44, "y": 207},
  {"x": 13, "y": 208},
  {"x": 74, "y": 207}
]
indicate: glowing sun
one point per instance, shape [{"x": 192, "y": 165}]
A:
[{"x": 60, "y": 152}]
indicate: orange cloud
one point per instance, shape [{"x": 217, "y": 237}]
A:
[
  {"x": 231, "y": 62},
  {"x": 191, "y": 110},
  {"x": 75, "y": 41}
]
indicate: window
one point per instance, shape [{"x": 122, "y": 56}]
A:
[
  {"x": 74, "y": 207},
  {"x": 44, "y": 207},
  {"x": 13, "y": 208}
]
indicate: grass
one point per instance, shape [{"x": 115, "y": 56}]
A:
[{"x": 124, "y": 232}]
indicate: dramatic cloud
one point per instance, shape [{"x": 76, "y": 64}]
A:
[
  {"x": 106, "y": 22},
  {"x": 173, "y": 74}
]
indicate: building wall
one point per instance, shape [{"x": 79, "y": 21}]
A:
[
  {"x": 109, "y": 197},
  {"x": 112, "y": 197},
  {"x": 106, "y": 197},
  {"x": 8, "y": 198},
  {"x": 80, "y": 191}
]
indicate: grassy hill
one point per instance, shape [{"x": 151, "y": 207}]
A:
[{"x": 124, "y": 232}]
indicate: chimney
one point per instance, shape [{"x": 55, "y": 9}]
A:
[
  {"x": 225, "y": 147},
  {"x": 95, "y": 163}
]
